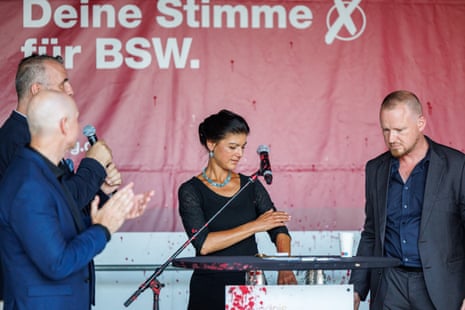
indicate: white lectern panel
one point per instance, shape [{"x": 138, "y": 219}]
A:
[{"x": 289, "y": 297}]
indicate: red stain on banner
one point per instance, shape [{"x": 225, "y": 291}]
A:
[{"x": 430, "y": 108}]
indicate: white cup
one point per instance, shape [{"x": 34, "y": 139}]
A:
[{"x": 346, "y": 241}]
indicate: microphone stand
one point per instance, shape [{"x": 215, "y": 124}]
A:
[{"x": 152, "y": 281}]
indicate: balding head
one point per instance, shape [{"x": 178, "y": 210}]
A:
[
  {"x": 403, "y": 97},
  {"x": 53, "y": 121}
]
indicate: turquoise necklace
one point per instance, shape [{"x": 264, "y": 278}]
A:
[{"x": 210, "y": 181}]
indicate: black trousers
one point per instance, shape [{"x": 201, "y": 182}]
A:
[
  {"x": 405, "y": 290},
  {"x": 207, "y": 289}
]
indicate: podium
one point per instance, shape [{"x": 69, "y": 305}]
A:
[
  {"x": 321, "y": 297},
  {"x": 244, "y": 263}
]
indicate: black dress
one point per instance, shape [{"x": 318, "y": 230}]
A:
[{"x": 197, "y": 204}]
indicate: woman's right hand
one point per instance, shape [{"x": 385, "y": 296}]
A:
[{"x": 271, "y": 219}]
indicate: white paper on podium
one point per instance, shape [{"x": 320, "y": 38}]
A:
[{"x": 289, "y": 297}]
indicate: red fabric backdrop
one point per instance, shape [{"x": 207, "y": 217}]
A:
[{"x": 309, "y": 80}]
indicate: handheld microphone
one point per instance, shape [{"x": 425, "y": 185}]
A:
[
  {"x": 265, "y": 167},
  {"x": 89, "y": 132}
]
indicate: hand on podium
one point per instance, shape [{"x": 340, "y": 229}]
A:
[{"x": 286, "y": 277}]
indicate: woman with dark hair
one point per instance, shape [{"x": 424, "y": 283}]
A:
[{"x": 232, "y": 233}]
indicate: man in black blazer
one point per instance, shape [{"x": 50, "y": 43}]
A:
[{"x": 415, "y": 211}]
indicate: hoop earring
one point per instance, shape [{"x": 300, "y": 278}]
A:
[{"x": 211, "y": 154}]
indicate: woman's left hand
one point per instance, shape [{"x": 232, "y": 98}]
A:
[{"x": 286, "y": 277}]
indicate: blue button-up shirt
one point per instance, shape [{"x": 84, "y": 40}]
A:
[{"x": 404, "y": 206}]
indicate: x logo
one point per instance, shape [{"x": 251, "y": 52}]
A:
[{"x": 344, "y": 19}]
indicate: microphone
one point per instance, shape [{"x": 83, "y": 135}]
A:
[
  {"x": 89, "y": 132},
  {"x": 265, "y": 167}
]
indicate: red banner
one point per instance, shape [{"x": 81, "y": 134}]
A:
[{"x": 308, "y": 76}]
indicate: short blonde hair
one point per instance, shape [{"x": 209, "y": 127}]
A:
[{"x": 402, "y": 97}]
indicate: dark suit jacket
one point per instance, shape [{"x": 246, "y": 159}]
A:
[
  {"x": 14, "y": 134},
  {"x": 442, "y": 230},
  {"x": 46, "y": 260}
]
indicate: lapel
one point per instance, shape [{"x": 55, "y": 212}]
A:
[
  {"x": 436, "y": 171},
  {"x": 75, "y": 211},
  {"x": 382, "y": 182}
]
